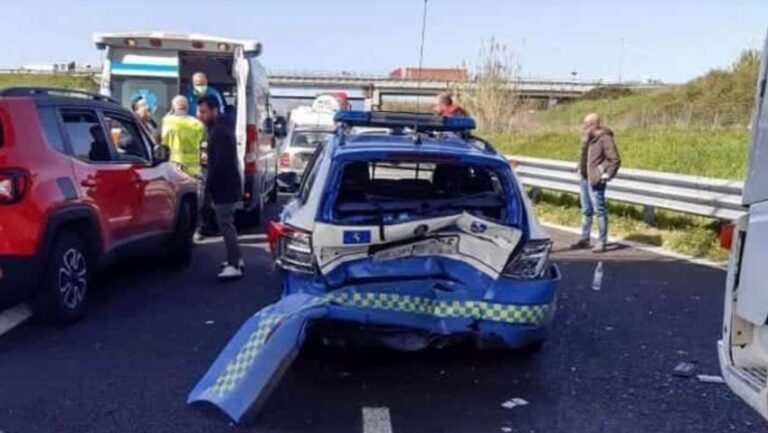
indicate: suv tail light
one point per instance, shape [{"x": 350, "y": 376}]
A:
[
  {"x": 285, "y": 160},
  {"x": 13, "y": 185},
  {"x": 531, "y": 262},
  {"x": 251, "y": 151},
  {"x": 291, "y": 247}
]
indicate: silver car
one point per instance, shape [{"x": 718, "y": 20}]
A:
[{"x": 296, "y": 151}]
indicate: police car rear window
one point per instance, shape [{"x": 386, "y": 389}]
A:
[{"x": 396, "y": 190}]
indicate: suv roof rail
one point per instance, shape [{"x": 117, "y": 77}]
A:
[{"x": 54, "y": 91}]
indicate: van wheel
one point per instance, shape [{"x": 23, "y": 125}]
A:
[
  {"x": 66, "y": 277},
  {"x": 273, "y": 193},
  {"x": 180, "y": 245}
]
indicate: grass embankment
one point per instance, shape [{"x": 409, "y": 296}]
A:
[
  {"x": 699, "y": 128},
  {"x": 48, "y": 80},
  {"x": 686, "y": 234},
  {"x": 720, "y": 153}
]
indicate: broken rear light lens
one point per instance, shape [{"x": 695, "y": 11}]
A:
[
  {"x": 531, "y": 262},
  {"x": 292, "y": 247}
]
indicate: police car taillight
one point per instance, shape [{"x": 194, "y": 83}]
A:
[
  {"x": 531, "y": 261},
  {"x": 291, "y": 247}
]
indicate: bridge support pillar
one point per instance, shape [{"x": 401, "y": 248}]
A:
[
  {"x": 552, "y": 102},
  {"x": 373, "y": 100}
]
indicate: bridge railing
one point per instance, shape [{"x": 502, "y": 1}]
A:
[{"x": 715, "y": 198}]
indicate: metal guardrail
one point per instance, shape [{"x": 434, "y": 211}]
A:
[{"x": 715, "y": 198}]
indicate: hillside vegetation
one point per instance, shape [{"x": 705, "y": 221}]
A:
[
  {"x": 720, "y": 98},
  {"x": 698, "y": 128}
]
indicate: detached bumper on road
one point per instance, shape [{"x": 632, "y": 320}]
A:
[{"x": 240, "y": 379}]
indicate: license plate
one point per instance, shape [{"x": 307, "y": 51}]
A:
[{"x": 444, "y": 245}]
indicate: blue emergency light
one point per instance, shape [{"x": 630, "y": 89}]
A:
[{"x": 393, "y": 119}]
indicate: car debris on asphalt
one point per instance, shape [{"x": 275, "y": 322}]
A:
[
  {"x": 684, "y": 369},
  {"x": 706, "y": 378},
  {"x": 514, "y": 402}
]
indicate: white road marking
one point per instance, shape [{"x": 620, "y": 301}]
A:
[
  {"x": 14, "y": 317},
  {"x": 645, "y": 247},
  {"x": 376, "y": 420}
]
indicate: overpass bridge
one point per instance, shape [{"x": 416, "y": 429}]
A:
[{"x": 375, "y": 88}]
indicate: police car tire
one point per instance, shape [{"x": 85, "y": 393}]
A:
[
  {"x": 533, "y": 348},
  {"x": 65, "y": 282}
]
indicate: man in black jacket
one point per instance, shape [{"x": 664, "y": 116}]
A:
[{"x": 223, "y": 182}]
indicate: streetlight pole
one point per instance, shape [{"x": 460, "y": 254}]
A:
[
  {"x": 621, "y": 57},
  {"x": 421, "y": 53}
]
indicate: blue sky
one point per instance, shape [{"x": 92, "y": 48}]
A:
[{"x": 673, "y": 40}]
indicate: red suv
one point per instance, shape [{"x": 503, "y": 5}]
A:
[{"x": 81, "y": 184}]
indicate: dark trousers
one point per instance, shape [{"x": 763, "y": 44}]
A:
[{"x": 225, "y": 217}]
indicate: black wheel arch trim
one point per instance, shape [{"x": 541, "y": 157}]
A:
[{"x": 60, "y": 217}]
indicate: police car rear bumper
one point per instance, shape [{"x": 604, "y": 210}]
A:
[{"x": 511, "y": 314}]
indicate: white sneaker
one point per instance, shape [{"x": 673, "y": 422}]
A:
[
  {"x": 230, "y": 273},
  {"x": 240, "y": 264}
]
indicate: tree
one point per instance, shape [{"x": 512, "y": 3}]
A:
[{"x": 491, "y": 94}]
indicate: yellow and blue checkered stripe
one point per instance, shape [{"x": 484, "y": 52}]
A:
[{"x": 236, "y": 369}]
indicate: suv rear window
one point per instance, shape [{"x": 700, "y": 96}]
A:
[{"x": 403, "y": 190}]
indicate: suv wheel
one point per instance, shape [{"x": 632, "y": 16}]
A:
[
  {"x": 65, "y": 281},
  {"x": 180, "y": 246}
]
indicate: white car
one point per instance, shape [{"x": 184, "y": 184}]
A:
[
  {"x": 743, "y": 348},
  {"x": 296, "y": 151}
]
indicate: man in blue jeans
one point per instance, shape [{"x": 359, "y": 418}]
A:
[{"x": 599, "y": 164}]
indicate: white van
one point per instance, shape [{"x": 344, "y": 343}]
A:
[
  {"x": 158, "y": 66},
  {"x": 743, "y": 349}
]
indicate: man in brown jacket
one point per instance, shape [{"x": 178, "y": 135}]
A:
[{"x": 599, "y": 164}]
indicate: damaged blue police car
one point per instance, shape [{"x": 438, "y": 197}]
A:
[{"x": 406, "y": 231}]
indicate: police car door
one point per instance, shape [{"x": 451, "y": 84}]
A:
[
  {"x": 744, "y": 347},
  {"x": 241, "y": 72}
]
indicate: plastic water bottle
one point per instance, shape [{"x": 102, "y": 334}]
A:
[{"x": 597, "y": 280}]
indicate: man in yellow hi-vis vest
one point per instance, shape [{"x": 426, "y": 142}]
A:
[{"x": 184, "y": 134}]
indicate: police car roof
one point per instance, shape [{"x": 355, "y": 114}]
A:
[{"x": 445, "y": 144}]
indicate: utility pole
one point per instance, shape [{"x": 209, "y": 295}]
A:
[
  {"x": 421, "y": 53},
  {"x": 621, "y": 57}
]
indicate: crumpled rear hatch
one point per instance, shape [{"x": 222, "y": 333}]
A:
[{"x": 417, "y": 216}]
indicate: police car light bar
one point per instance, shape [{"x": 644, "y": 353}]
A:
[{"x": 392, "y": 119}]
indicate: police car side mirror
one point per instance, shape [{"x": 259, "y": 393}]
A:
[{"x": 161, "y": 154}]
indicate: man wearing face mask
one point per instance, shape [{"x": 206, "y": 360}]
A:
[{"x": 201, "y": 88}]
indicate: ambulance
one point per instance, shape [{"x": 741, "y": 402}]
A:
[
  {"x": 160, "y": 65},
  {"x": 743, "y": 347}
]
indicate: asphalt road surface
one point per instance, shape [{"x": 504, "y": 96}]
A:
[{"x": 152, "y": 333}]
